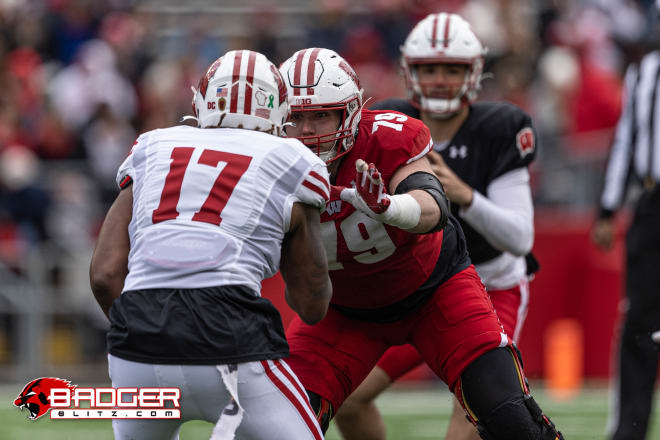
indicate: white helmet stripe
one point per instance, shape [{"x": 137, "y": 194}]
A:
[
  {"x": 305, "y": 67},
  {"x": 247, "y": 104}
]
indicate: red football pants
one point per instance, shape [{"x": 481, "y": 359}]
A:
[
  {"x": 456, "y": 325},
  {"x": 511, "y": 307}
]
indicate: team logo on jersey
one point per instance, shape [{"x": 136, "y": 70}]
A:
[
  {"x": 525, "y": 141},
  {"x": 333, "y": 207}
]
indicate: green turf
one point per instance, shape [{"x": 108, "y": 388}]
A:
[{"x": 409, "y": 415}]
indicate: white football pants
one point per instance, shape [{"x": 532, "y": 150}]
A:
[{"x": 269, "y": 401}]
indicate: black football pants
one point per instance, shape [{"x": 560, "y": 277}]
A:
[{"x": 637, "y": 361}]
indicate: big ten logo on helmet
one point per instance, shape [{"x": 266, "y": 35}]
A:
[
  {"x": 210, "y": 105},
  {"x": 303, "y": 101},
  {"x": 66, "y": 401}
]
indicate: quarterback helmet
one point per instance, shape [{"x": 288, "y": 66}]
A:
[
  {"x": 242, "y": 89},
  {"x": 442, "y": 38},
  {"x": 319, "y": 79}
]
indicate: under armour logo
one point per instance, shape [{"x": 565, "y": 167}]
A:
[
  {"x": 333, "y": 207},
  {"x": 455, "y": 152}
]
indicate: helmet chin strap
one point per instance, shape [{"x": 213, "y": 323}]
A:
[
  {"x": 330, "y": 154},
  {"x": 444, "y": 116}
]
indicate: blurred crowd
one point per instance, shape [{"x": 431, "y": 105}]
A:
[{"x": 80, "y": 79}]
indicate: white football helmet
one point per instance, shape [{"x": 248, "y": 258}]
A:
[
  {"x": 320, "y": 79},
  {"x": 242, "y": 89},
  {"x": 442, "y": 38}
]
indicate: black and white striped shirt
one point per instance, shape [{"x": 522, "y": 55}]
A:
[{"x": 635, "y": 152}]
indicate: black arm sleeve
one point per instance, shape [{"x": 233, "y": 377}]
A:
[{"x": 429, "y": 183}]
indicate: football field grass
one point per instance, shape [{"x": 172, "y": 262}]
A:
[{"x": 409, "y": 415}]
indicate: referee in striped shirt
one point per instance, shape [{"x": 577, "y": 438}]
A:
[{"x": 635, "y": 157}]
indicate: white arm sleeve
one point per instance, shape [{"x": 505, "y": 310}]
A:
[{"x": 506, "y": 217}]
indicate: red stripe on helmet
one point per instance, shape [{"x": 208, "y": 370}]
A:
[
  {"x": 204, "y": 81},
  {"x": 447, "y": 22},
  {"x": 233, "y": 107},
  {"x": 247, "y": 104},
  {"x": 434, "y": 34},
  {"x": 296, "y": 73},
  {"x": 311, "y": 67},
  {"x": 280, "y": 84}
]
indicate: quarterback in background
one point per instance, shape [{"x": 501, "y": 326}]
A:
[
  {"x": 398, "y": 262},
  {"x": 480, "y": 154},
  {"x": 204, "y": 215}
]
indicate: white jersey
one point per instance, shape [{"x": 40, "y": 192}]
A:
[{"x": 211, "y": 206}]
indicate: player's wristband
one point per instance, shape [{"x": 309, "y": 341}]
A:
[{"x": 404, "y": 211}]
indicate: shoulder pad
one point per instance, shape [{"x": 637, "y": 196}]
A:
[{"x": 397, "y": 104}]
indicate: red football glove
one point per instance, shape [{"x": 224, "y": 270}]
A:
[
  {"x": 369, "y": 196},
  {"x": 368, "y": 193}
]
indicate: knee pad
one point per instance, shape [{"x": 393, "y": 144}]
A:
[
  {"x": 494, "y": 393},
  {"x": 322, "y": 410},
  {"x": 519, "y": 418}
]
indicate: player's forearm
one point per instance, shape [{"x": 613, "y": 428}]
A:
[
  {"x": 430, "y": 212},
  {"x": 503, "y": 228},
  {"x": 310, "y": 301},
  {"x": 106, "y": 287},
  {"x": 506, "y": 217}
]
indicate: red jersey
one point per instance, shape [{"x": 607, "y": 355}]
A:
[{"x": 372, "y": 264}]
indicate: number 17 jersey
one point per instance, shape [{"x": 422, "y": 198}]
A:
[{"x": 211, "y": 206}]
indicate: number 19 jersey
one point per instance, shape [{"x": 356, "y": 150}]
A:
[
  {"x": 211, "y": 206},
  {"x": 374, "y": 265}
]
